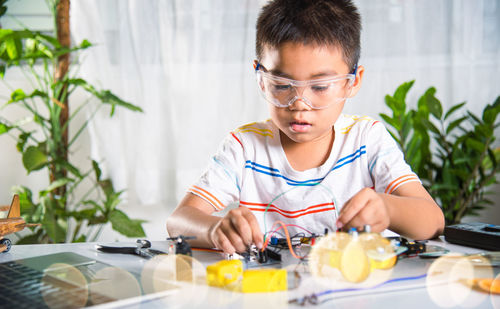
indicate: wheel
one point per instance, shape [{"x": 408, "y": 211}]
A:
[{"x": 7, "y": 243}]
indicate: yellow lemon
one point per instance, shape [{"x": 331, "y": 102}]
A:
[{"x": 354, "y": 263}]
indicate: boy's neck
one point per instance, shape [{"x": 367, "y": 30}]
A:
[{"x": 304, "y": 156}]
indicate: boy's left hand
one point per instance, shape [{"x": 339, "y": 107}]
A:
[{"x": 365, "y": 207}]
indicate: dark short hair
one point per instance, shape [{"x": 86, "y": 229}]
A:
[{"x": 320, "y": 22}]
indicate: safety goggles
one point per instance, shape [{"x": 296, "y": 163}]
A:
[{"x": 316, "y": 93}]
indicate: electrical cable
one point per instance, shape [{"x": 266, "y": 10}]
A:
[
  {"x": 206, "y": 249},
  {"x": 313, "y": 298},
  {"x": 283, "y": 226},
  {"x": 334, "y": 200}
]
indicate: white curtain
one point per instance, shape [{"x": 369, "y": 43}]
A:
[{"x": 188, "y": 65}]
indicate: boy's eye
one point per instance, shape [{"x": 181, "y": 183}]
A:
[
  {"x": 319, "y": 88},
  {"x": 281, "y": 87}
]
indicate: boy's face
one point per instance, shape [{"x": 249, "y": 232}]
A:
[{"x": 299, "y": 122}]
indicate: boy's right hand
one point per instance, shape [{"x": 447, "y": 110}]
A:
[{"x": 236, "y": 231}]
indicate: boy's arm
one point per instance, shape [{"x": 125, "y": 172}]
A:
[
  {"x": 232, "y": 233},
  {"x": 409, "y": 211}
]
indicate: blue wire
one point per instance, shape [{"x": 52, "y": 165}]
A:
[{"x": 370, "y": 288}]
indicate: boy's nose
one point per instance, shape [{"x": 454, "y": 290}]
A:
[{"x": 299, "y": 103}]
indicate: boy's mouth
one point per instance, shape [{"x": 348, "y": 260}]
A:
[{"x": 300, "y": 126}]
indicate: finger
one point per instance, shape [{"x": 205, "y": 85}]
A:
[
  {"x": 362, "y": 218},
  {"x": 351, "y": 209},
  {"x": 233, "y": 236},
  {"x": 257, "y": 235},
  {"x": 371, "y": 214},
  {"x": 243, "y": 228},
  {"x": 223, "y": 243}
]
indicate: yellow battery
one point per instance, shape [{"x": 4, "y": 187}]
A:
[
  {"x": 224, "y": 272},
  {"x": 264, "y": 280}
]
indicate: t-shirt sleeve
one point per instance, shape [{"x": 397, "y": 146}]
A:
[
  {"x": 386, "y": 162},
  {"x": 220, "y": 183}
]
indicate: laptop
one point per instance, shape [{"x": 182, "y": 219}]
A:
[{"x": 70, "y": 280}]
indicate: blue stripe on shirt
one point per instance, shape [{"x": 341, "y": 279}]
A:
[{"x": 273, "y": 172}]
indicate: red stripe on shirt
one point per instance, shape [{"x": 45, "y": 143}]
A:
[
  {"x": 210, "y": 197},
  {"x": 396, "y": 185},
  {"x": 282, "y": 210},
  {"x": 237, "y": 139},
  {"x": 388, "y": 188},
  {"x": 296, "y": 216}
]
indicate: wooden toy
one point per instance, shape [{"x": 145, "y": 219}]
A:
[{"x": 13, "y": 223}]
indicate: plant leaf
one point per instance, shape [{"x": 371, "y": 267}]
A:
[
  {"x": 490, "y": 112},
  {"x": 81, "y": 238},
  {"x": 30, "y": 239},
  {"x": 453, "y": 109},
  {"x": 433, "y": 103},
  {"x": 402, "y": 90},
  {"x": 392, "y": 122},
  {"x": 454, "y": 124},
  {"x": 430, "y": 126},
  {"x": 124, "y": 225},
  {"x": 474, "y": 144},
  {"x": 56, "y": 184},
  {"x": 97, "y": 170},
  {"x": 4, "y": 128},
  {"x": 34, "y": 159}
]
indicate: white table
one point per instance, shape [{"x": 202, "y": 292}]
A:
[{"x": 202, "y": 296}]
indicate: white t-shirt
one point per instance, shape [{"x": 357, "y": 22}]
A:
[{"x": 251, "y": 168}]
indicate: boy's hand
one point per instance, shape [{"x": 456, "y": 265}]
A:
[
  {"x": 365, "y": 207},
  {"x": 237, "y": 230}
]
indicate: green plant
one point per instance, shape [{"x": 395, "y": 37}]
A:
[
  {"x": 453, "y": 155},
  {"x": 65, "y": 213}
]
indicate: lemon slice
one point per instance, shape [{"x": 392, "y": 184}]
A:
[{"x": 354, "y": 263}]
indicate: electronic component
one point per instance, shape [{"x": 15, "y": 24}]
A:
[
  {"x": 474, "y": 234},
  {"x": 413, "y": 247},
  {"x": 254, "y": 257},
  {"x": 408, "y": 247},
  {"x": 229, "y": 274},
  {"x": 181, "y": 245},
  {"x": 224, "y": 273},
  {"x": 262, "y": 256},
  {"x": 264, "y": 280}
]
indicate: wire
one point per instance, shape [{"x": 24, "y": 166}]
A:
[
  {"x": 334, "y": 200},
  {"x": 300, "y": 227},
  {"x": 288, "y": 240},
  {"x": 206, "y": 249},
  {"x": 313, "y": 298},
  {"x": 272, "y": 201}
]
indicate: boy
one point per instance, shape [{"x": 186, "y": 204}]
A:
[{"x": 309, "y": 160}]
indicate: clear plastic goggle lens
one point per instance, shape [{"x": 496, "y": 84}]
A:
[{"x": 318, "y": 94}]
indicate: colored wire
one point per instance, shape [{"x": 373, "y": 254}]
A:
[
  {"x": 283, "y": 226},
  {"x": 293, "y": 188},
  {"x": 313, "y": 298},
  {"x": 272, "y": 201},
  {"x": 206, "y": 249},
  {"x": 284, "y": 236},
  {"x": 300, "y": 227},
  {"x": 371, "y": 288}
]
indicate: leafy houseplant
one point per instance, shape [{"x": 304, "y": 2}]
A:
[
  {"x": 43, "y": 139},
  {"x": 451, "y": 152}
]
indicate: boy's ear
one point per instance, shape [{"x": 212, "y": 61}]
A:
[{"x": 358, "y": 81}]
